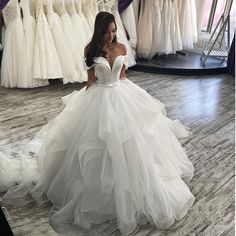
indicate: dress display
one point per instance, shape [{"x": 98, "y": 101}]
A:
[
  {"x": 71, "y": 39},
  {"x": 145, "y": 27},
  {"x": 46, "y": 63},
  {"x": 29, "y": 40},
  {"x": 111, "y": 153},
  {"x": 13, "y": 73},
  {"x": 66, "y": 58},
  {"x": 78, "y": 6},
  {"x": 128, "y": 20},
  {"x": 88, "y": 10}
]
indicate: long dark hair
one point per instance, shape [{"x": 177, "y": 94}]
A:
[{"x": 94, "y": 48}]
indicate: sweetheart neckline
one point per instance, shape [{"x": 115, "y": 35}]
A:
[{"x": 110, "y": 67}]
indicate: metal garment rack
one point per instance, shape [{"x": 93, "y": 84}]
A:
[{"x": 216, "y": 46}]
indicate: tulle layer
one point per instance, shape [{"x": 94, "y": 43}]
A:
[{"x": 112, "y": 153}]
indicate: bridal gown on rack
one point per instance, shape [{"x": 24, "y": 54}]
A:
[
  {"x": 65, "y": 55},
  {"x": 128, "y": 20},
  {"x": 145, "y": 30},
  {"x": 78, "y": 6},
  {"x": 46, "y": 62},
  {"x": 88, "y": 12},
  {"x": 29, "y": 40},
  {"x": 71, "y": 40},
  {"x": 12, "y": 71},
  {"x": 77, "y": 24},
  {"x": 112, "y": 154}
]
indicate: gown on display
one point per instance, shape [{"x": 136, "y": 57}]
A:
[
  {"x": 128, "y": 20},
  {"x": 65, "y": 55},
  {"x": 46, "y": 63},
  {"x": 78, "y": 7},
  {"x": 12, "y": 72},
  {"x": 71, "y": 40},
  {"x": 112, "y": 153},
  {"x": 29, "y": 39}
]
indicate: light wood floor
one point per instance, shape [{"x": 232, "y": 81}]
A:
[{"x": 205, "y": 104}]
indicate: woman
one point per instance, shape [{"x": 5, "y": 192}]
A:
[{"x": 112, "y": 152}]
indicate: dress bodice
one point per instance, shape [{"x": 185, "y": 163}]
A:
[
  {"x": 11, "y": 12},
  {"x": 107, "y": 75}
]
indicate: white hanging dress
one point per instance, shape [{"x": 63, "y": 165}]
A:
[
  {"x": 186, "y": 24},
  {"x": 13, "y": 58},
  {"x": 78, "y": 6},
  {"x": 88, "y": 12},
  {"x": 157, "y": 9},
  {"x": 77, "y": 24},
  {"x": 128, "y": 20},
  {"x": 177, "y": 34},
  {"x": 46, "y": 62},
  {"x": 71, "y": 40},
  {"x": 145, "y": 30},
  {"x": 65, "y": 55},
  {"x": 29, "y": 35}
]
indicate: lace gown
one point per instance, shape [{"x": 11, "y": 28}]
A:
[
  {"x": 12, "y": 71},
  {"x": 29, "y": 39},
  {"x": 46, "y": 61},
  {"x": 111, "y": 153}
]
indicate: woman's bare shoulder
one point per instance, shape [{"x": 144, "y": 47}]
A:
[{"x": 122, "y": 49}]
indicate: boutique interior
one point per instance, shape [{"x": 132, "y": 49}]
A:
[{"x": 182, "y": 52}]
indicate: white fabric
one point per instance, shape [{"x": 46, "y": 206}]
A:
[
  {"x": 29, "y": 40},
  {"x": 71, "y": 40},
  {"x": 86, "y": 27},
  {"x": 111, "y": 153},
  {"x": 157, "y": 9},
  {"x": 65, "y": 55},
  {"x": 136, "y": 11},
  {"x": 46, "y": 62},
  {"x": 89, "y": 12},
  {"x": 145, "y": 30},
  {"x": 12, "y": 72},
  {"x": 128, "y": 20},
  {"x": 188, "y": 25}
]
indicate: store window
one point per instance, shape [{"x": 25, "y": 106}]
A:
[{"x": 213, "y": 10}]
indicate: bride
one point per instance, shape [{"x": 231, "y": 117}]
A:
[{"x": 112, "y": 153}]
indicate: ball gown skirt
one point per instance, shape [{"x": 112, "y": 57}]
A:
[{"x": 112, "y": 154}]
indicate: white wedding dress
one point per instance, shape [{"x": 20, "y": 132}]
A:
[
  {"x": 111, "y": 154},
  {"x": 12, "y": 71},
  {"x": 46, "y": 63},
  {"x": 65, "y": 55}
]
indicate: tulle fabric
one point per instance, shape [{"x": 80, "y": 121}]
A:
[
  {"x": 111, "y": 153},
  {"x": 12, "y": 72},
  {"x": 65, "y": 55},
  {"x": 46, "y": 63}
]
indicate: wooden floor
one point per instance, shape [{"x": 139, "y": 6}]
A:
[{"x": 205, "y": 104}]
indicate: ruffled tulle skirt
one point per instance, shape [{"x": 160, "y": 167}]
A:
[{"x": 112, "y": 153}]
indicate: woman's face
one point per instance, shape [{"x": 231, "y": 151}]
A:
[{"x": 110, "y": 33}]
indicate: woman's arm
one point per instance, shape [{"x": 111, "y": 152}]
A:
[{"x": 91, "y": 77}]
